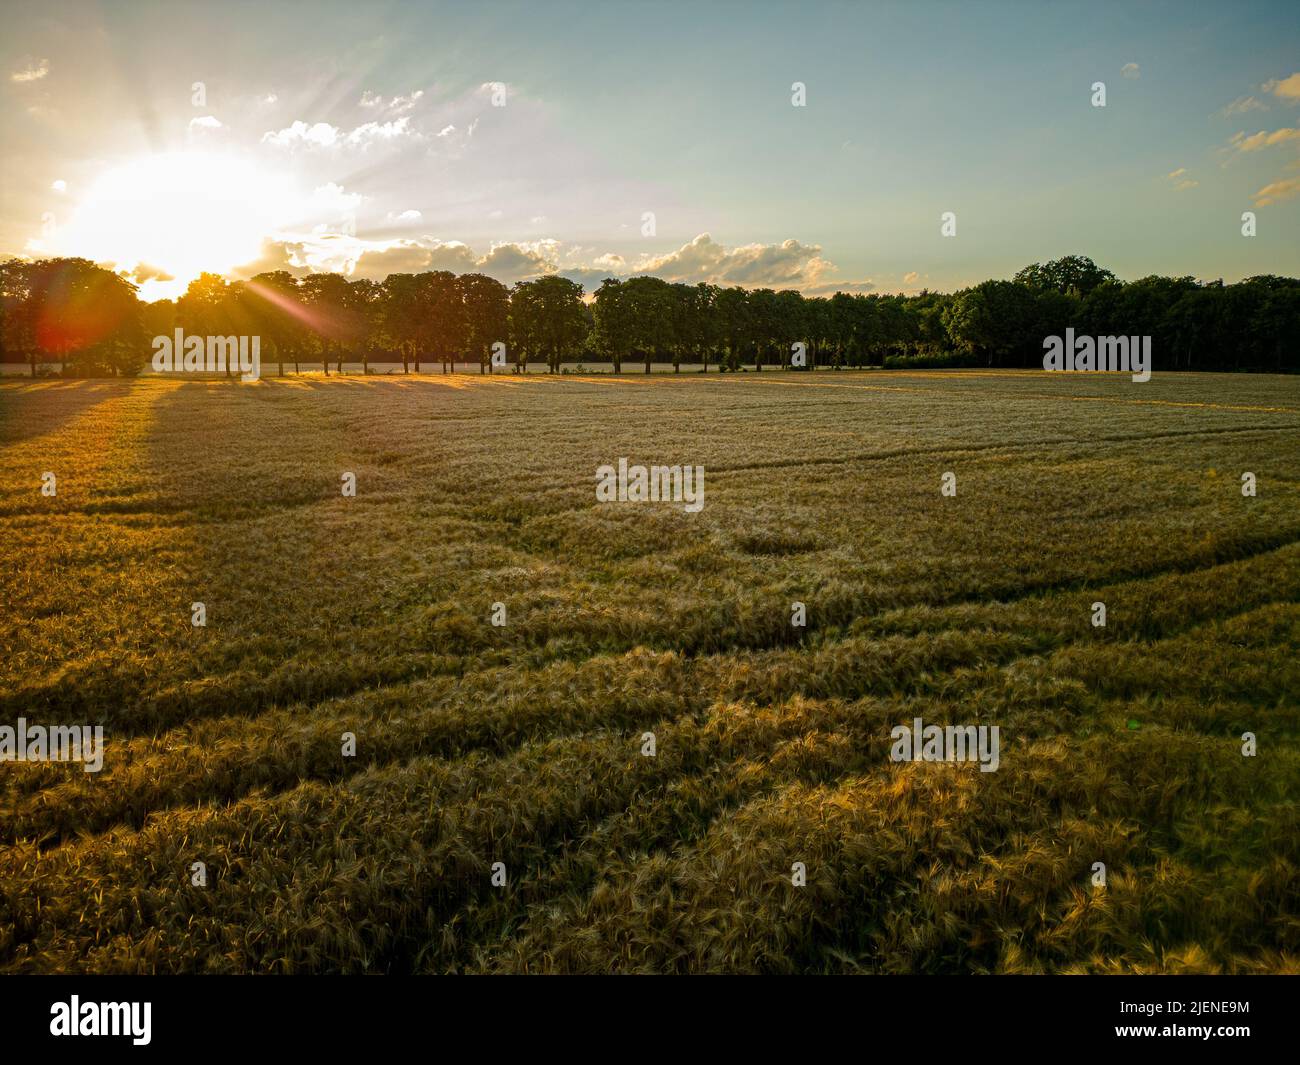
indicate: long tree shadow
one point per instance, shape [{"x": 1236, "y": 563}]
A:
[{"x": 30, "y": 409}]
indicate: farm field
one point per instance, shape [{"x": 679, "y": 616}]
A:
[{"x": 522, "y": 743}]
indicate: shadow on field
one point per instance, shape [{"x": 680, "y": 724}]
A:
[{"x": 33, "y": 409}]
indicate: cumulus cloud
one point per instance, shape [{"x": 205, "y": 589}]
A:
[
  {"x": 520, "y": 261},
  {"x": 1263, "y": 139},
  {"x": 274, "y": 255},
  {"x": 508, "y": 262},
  {"x": 323, "y": 135},
  {"x": 784, "y": 265},
  {"x": 910, "y": 277},
  {"x": 1131, "y": 71},
  {"x": 452, "y": 255},
  {"x": 790, "y": 264},
  {"x": 31, "y": 70},
  {"x": 411, "y": 257},
  {"x": 206, "y": 122},
  {"x": 144, "y": 272},
  {"x": 404, "y": 216},
  {"x": 1278, "y": 191},
  {"x": 1287, "y": 88},
  {"x": 59, "y": 185}
]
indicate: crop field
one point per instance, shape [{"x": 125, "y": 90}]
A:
[{"x": 499, "y": 811}]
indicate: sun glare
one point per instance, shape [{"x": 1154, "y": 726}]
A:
[{"x": 171, "y": 217}]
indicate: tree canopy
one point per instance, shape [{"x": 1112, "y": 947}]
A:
[{"x": 91, "y": 320}]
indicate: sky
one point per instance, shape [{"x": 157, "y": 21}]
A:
[{"x": 609, "y": 139}]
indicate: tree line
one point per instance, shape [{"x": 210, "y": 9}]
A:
[{"x": 91, "y": 321}]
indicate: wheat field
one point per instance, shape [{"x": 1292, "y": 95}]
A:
[{"x": 522, "y": 743}]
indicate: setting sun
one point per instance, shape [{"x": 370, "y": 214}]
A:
[{"x": 168, "y": 217}]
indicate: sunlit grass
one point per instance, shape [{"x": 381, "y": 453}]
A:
[{"x": 521, "y": 744}]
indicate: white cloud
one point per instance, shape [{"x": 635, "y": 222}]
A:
[
  {"x": 397, "y": 105},
  {"x": 378, "y": 132},
  {"x": 32, "y": 70},
  {"x": 323, "y": 135},
  {"x": 405, "y": 216},
  {"x": 1131, "y": 71},
  {"x": 206, "y": 122},
  {"x": 402, "y": 104},
  {"x": 59, "y": 185}
]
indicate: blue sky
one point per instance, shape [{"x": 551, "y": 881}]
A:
[{"x": 363, "y": 137}]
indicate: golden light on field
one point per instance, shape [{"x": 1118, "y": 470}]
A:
[{"x": 175, "y": 215}]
